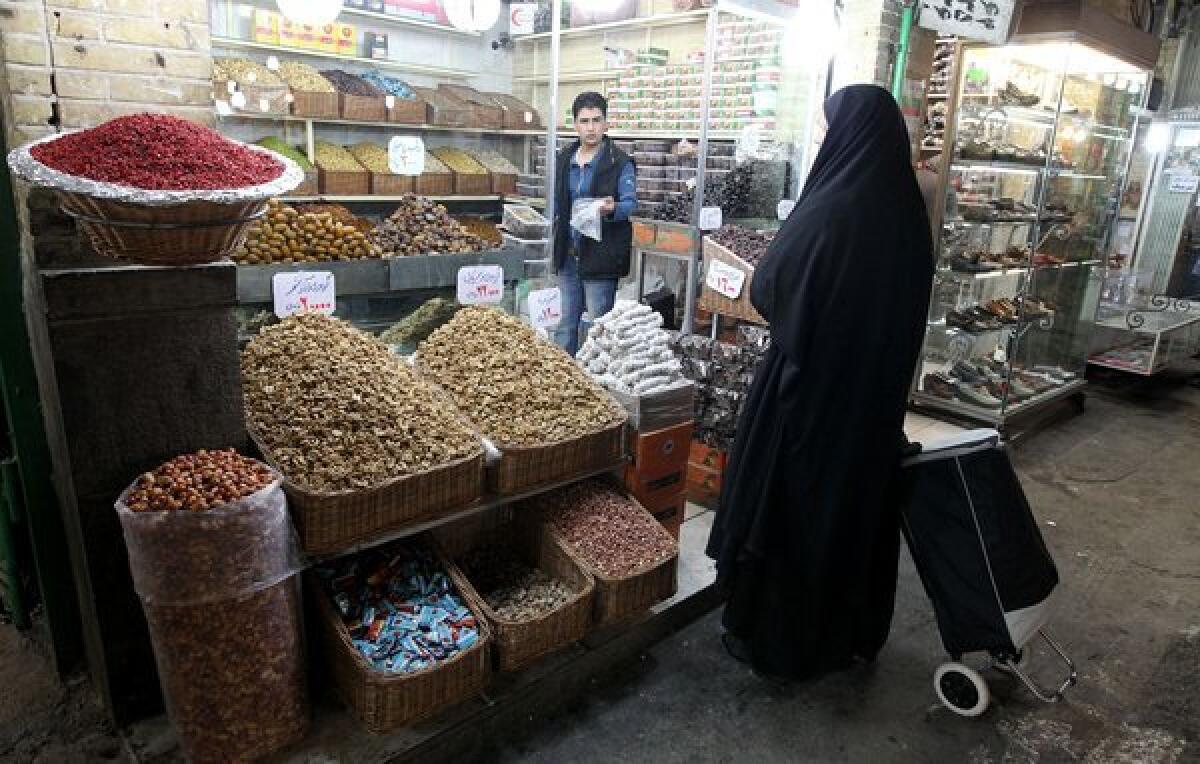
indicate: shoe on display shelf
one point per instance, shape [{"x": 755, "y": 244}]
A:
[
  {"x": 939, "y": 384},
  {"x": 967, "y": 374},
  {"x": 978, "y": 396},
  {"x": 1014, "y": 96}
]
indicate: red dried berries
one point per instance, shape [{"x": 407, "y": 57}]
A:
[
  {"x": 198, "y": 482},
  {"x": 158, "y": 152}
]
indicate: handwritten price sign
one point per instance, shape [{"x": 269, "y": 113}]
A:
[
  {"x": 725, "y": 279},
  {"x": 406, "y": 155},
  {"x": 303, "y": 292},
  {"x": 480, "y": 284},
  {"x": 545, "y": 307}
]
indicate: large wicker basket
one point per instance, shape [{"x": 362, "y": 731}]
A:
[
  {"x": 715, "y": 302},
  {"x": 384, "y": 702},
  {"x": 387, "y": 184},
  {"x": 320, "y": 105},
  {"x": 517, "y": 644},
  {"x": 333, "y": 522},
  {"x": 619, "y": 598},
  {"x": 523, "y": 469},
  {"x": 435, "y": 184},
  {"x": 345, "y": 183}
]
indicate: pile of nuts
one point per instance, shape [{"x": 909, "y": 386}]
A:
[
  {"x": 198, "y": 482},
  {"x": 433, "y": 165},
  {"x": 415, "y": 327},
  {"x": 303, "y": 78},
  {"x": 459, "y": 161},
  {"x": 286, "y": 235},
  {"x": 606, "y": 529},
  {"x": 512, "y": 589},
  {"x": 351, "y": 84},
  {"x": 372, "y": 156},
  {"x": 244, "y": 72},
  {"x": 746, "y": 243},
  {"x": 497, "y": 163},
  {"x": 336, "y": 410},
  {"x": 338, "y": 212},
  {"x": 331, "y": 157},
  {"x": 482, "y": 228},
  {"x": 519, "y": 390},
  {"x": 420, "y": 226}
]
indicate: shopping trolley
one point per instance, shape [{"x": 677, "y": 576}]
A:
[{"x": 983, "y": 563}]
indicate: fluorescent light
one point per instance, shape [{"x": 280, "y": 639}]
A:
[{"x": 1158, "y": 138}]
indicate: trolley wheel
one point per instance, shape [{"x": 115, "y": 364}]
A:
[{"x": 961, "y": 689}]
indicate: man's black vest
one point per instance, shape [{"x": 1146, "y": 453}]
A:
[{"x": 609, "y": 257}]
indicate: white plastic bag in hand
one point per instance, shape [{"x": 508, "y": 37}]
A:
[{"x": 585, "y": 216}]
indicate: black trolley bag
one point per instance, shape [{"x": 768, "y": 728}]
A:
[{"x": 982, "y": 560}]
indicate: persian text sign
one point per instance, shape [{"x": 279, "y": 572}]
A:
[
  {"x": 545, "y": 307},
  {"x": 480, "y": 284},
  {"x": 984, "y": 20},
  {"x": 725, "y": 279},
  {"x": 303, "y": 292}
]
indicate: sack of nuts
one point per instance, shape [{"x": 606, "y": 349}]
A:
[{"x": 214, "y": 558}]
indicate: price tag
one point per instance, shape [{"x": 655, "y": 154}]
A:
[
  {"x": 784, "y": 208},
  {"x": 273, "y": 63},
  {"x": 389, "y": 102},
  {"x": 1183, "y": 184},
  {"x": 480, "y": 284},
  {"x": 238, "y": 100},
  {"x": 223, "y": 109},
  {"x": 545, "y": 307},
  {"x": 710, "y": 218},
  {"x": 231, "y": 86},
  {"x": 264, "y": 105},
  {"x": 289, "y": 98},
  {"x": 725, "y": 279},
  {"x": 749, "y": 142},
  {"x": 251, "y": 78},
  {"x": 303, "y": 292},
  {"x": 406, "y": 155},
  {"x": 528, "y": 117}
]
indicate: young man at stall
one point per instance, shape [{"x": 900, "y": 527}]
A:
[{"x": 592, "y": 167}]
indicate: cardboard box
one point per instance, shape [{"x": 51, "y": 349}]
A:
[
  {"x": 662, "y": 452},
  {"x": 657, "y": 411},
  {"x": 704, "y": 485},
  {"x": 345, "y": 40},
  {"x": 670, "y": 514},
  {"x": 702, "y": 455},
  {"x": 658, "y": 490}
]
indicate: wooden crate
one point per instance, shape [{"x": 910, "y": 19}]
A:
[
  {"x": 443, "y": 109},
  {"x": 472, "y": 185},
  {"x": 386, "y": 184},
  {"x": 345, "y": 183},
  {"x": 662, "y": 452},
  {"x": 320, "y": 105},
  {"x": 485, "y": 112},
  {"x": 518, "y": 115},
  {"x": 363, "y": 108},
  {"x": 435, "y": 184},
  {"x": 504, "y": 183},
  {"x": 712, "y": 300},
  {"x": 406, "y": 111},
  {"x": 310, "y": 186}
]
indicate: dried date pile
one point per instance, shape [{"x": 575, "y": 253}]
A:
[
  {"x": 198, "y": 482},
  {"x": 287, "y": 235},
  {"x": 336, "y": 410},
  {"x": 513, "y": 590},
  {"x": 420, "y": 226},
  {"x": 351, "y": 84},
  {"x": 746, "y": 243},
  {"x": 606, "y": 529},
  {"x": 519, "y": 390}
]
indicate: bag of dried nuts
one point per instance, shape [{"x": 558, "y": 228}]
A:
[{"x": 214, "y": 559}]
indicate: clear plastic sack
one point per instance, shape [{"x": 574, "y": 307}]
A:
[
  {"x": 222, "y": 601},
  {"x": 586, "y": 216}
]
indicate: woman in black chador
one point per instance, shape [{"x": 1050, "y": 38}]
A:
[{"x": 807, "y": 535}]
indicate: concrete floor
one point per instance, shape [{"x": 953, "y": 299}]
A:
[{"x": 1118, "y": 495}]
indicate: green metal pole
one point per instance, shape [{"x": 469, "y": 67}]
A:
[{"x": 906, "y": 22}]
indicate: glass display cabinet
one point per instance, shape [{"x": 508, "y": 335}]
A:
[
  {"x": 1146, "y": 339},
  {"x": 1040, "y": 140}
]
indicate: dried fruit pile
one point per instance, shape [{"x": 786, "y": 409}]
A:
[
  {"x": 158, "y": 152},
  {"x": 421, "y": 323},
  {"x": 459, "y": 161},
  {"x": 280, "y": 146},
  {"x": 338, "y": 212},
  {"x": 400, "y": 608},
  {"x": 351, "y": 84},
  {"x": 512, "y": 589},
  {"x": 390, "y": 85},
  {"x": 484, "y": 229},
  {"x": 331, "y": 157},
  {"x": 433, "y": 165},
  {"x": 336, "y": 410},
  {"x": 495, "y": 162},
  {"x": 519, "y": 390},
  {"x": 606, "y": 529},
  {"x": 303, "y": 78},
  {"x": 746, "y": 243},
  {"x": 198, "y": 482},
  {"x": 286, "y": 235},
  {"x": 371, "y": 156},
  {"x": 243, "y": 71},
  {"x": 420, "y": 226}
]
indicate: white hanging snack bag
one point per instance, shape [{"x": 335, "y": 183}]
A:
[{"x": 585, "y": 216}]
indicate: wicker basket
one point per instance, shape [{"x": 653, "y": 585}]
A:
[
  {"x": 333, "y": 522},
  {"x": 407, "y": 111},
  {"x": 485, "y": 112},
  {"x": 321, "y": 105},
  {"x": 443, "y": 109},
  {"x": 715, "y": 302},
  {"x": 435, "y": 184},
  {"x": 526, "y": 468},
  {"x": 260, "y": 99},
  {"x": 363, "y": 108},
  {"x": 387, "y": 184},
  {"x": 620, "y": 598},
  {"x": 472, "y": 185},
  {"x": 311, "y": 186},
  {"x": 504, "y": 183},
  {"x": 517, "y": 644},
  {"x": 345, "y": 183},
  {"x": 384, "y": 702},
  {"x": 183, "y": 234}
]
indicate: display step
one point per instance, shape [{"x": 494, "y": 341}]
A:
[{"x": 514, "y": 704}]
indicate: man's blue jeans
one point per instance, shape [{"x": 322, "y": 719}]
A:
[{"x": 596, "y": 295}]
